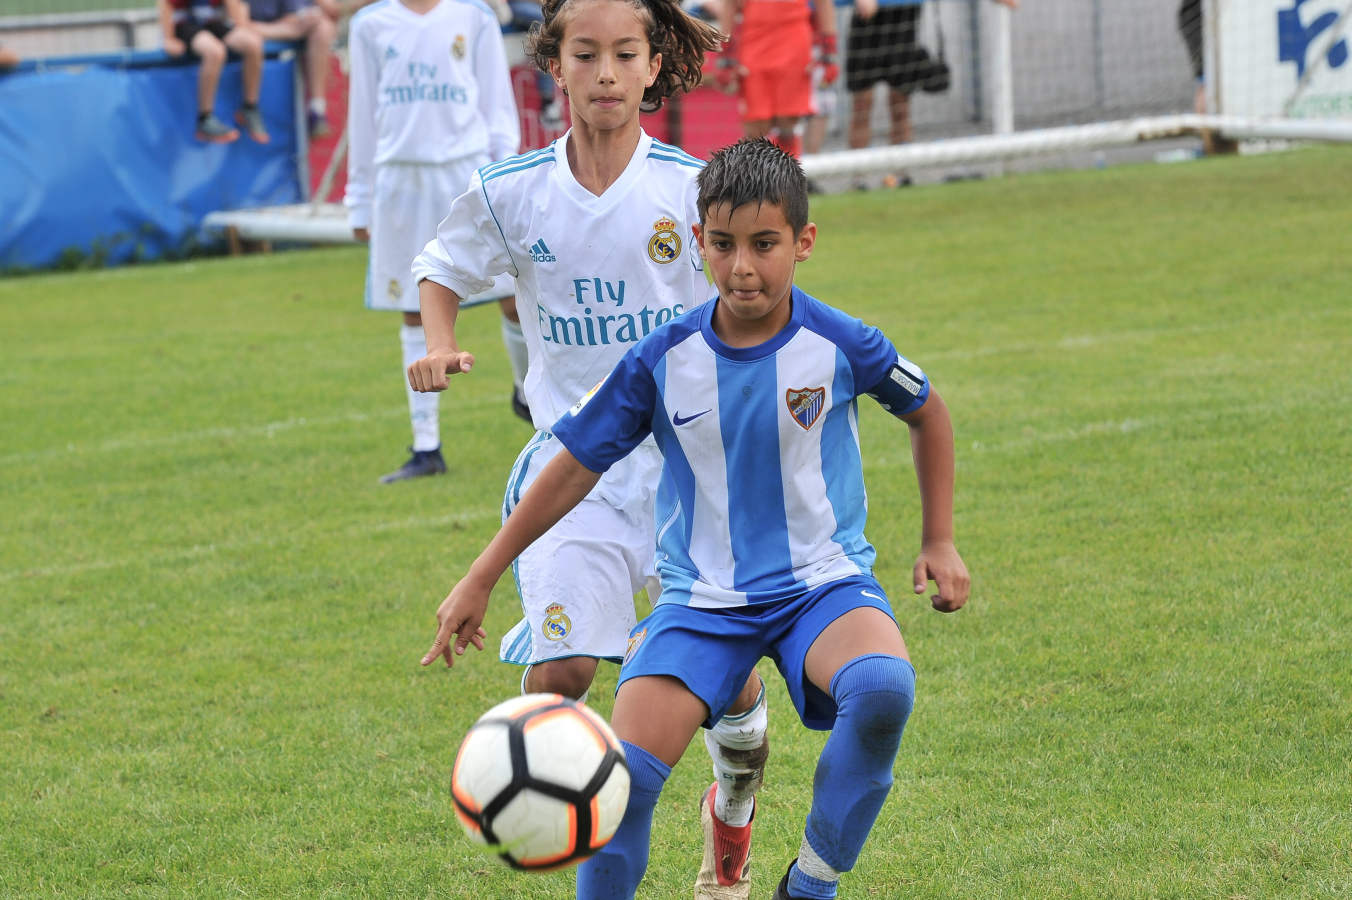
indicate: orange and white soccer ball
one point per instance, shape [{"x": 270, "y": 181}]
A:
[{"x": 541, "y": 780}]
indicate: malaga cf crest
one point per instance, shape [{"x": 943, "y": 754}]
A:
[
  {"x": 557, "y": 624},
  {"x": 458, "y": 47},
  {"x": 665, "y": 245},
  {"x": 805, "y": 404}
]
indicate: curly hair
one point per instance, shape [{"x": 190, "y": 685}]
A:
[{"x": 681, "y": 38}]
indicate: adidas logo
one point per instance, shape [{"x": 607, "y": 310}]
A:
[
  {"x": 539, "y": 252},
  {"x": 391, "y": 52}
]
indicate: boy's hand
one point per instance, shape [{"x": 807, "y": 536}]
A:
[
  {"x": 940, "y": 563},
  {"x": 362, "y": 234},
  {"x": 460, "y": 614},
  {"x": 174, "y": 47},
  {"x": 429, "y": 373}
]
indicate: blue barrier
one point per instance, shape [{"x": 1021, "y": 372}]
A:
[{"x": 98, "y": 163}]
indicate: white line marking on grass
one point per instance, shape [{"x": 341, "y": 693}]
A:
[{"x": 200, "y": 551}]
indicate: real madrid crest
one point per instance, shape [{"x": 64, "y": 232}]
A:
[
  {"x": 395, "y": 290},
  {"x": 557, "y": 624},
  {"x": 665, "y": 245},
  {"x": 458, "y": 47}
]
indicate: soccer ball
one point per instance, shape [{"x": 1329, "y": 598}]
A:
[{"x": 541, "y": 780}]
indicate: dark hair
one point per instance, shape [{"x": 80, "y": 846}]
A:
[
  {"x": 681, "y": 38},
  {"x": 754, "y": 170}
]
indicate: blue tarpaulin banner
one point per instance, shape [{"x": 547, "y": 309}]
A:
[{"x": 98, "y": 162}]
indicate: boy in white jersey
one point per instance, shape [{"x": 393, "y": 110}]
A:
[
  {"x": 430, "y": 101},
  {"x": 751, "y": 398},
  {"x": 597, "y": 230}
]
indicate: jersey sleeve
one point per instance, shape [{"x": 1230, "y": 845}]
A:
[
  {"x": 612, "y": 418},
  {"x": 903, "y": 388},
  {"x": 469, "y": 249},
  {"x": 899, "y": 385},
  {"x": 497, "y": 103},
  {"x": 361, "y": 127}
]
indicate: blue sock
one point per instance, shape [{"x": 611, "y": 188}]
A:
[
  {"x": 617, "y": 868},
  {"x": 873, "y": 695}
]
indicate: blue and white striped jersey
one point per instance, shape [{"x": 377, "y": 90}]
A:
[{"x": 762, "y": 491}]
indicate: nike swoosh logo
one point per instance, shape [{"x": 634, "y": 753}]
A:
[
  {"x": 678, "y": 420},
  {"x": 874, "y": 596}
]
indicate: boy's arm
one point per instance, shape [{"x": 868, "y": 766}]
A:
[
  {"x": 932, "y": 450},
  {"x": 361, "y": 125},
  {"x": 440, "y": 308},
  {"x": 172, "y": 45},
  {"x": 238, "y": 12},
  {"x": 561, "y": 486}
]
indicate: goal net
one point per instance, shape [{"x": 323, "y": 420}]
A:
[{"x": 1086, "y": 82}]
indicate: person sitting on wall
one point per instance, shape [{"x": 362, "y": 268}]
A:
[
  {"x": 209, "y": 29},
  {"x": 316, "y": 23}
]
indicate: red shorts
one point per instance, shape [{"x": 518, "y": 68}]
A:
[{"x": 776, "y": 93}]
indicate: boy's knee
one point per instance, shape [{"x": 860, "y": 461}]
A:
[
  {"x": 878, "y": 691},
  {"x": 570, "y": 677}
]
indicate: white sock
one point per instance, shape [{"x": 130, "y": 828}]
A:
[
  {"x": 809, "y": 863},
  {"x": 733, "y": 743},
  {"x": 515, "y": 342},
  {"x": 319, "y": 105},
  {"x": 422, "y": 408}
]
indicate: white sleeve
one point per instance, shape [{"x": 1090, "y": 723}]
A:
[
  {"x": 361, "y": 127},
  {"x": 497, "y": 103},
  {"x": 469, "y": 249}
]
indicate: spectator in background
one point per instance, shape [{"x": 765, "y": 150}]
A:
[
  {"x": 8, "y": 58},
  {"x": 209, "y": 29},
  {"x": 772, "y": 47},
  {"x": 883, "y": 46},
  {"x": 430, "y": 101},
  {"x": 315, "y": 22}
]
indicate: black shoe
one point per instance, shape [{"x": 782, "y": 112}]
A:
[
  {"x": 519, "y": 406},
  {"x": 422, "y": 462},
  {"x": 782, "y": 890}
]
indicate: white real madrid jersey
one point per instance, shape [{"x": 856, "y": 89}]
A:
[
  {"x": 425, "y": 88},
  {"x": 762, "y": 490},
  {"x": 594, "y": 275}
]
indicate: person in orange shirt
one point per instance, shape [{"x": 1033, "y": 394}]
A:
[{"x": 769, "y": 62}]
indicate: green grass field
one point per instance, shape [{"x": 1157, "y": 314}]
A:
[{"x": 213, "y": 614}]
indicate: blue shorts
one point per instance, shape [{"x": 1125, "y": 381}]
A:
[{"x": 712, "y": 651}]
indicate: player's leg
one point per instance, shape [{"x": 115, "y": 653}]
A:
[
  {"x": 691, "y": 665},
  {"x": 652, "y": 746},
  {"x": 408, "y": 202},
  {"x": 785, "y": 129},
  {"x": 248, "y": 43},
  {"x": 738, "y": 747},
  {"x": 517, "y": 354},
  {"x": 859, "y": 662},
  {"x": 424, "y": 409}
]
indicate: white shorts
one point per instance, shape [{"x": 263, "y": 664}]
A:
[
  {"x": 408, "y": 203},
  {"x": 578, "y": 581}
]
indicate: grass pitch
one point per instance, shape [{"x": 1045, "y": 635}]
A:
[{"x": 213, "y": 614}]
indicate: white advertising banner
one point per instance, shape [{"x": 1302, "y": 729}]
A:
[{"x": 1285, "y": 58}]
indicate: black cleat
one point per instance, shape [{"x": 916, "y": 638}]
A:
[
  {"x": 519, "y": 406},
  {"x": 782, "y": 889},
  {"x": 422, "y": 462}
]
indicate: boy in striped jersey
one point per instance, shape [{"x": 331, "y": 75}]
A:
[{"x": 751, "y": 399}]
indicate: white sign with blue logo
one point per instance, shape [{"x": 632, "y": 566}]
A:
[{"x": 1284, "y": 58}]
